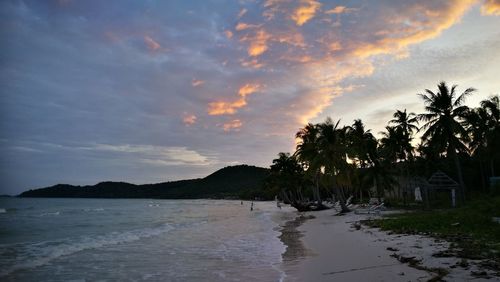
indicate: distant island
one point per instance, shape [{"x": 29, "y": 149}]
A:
[{"x": 233, "y": 182}]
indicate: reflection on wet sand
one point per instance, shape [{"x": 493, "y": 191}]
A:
[{"x": 290, "y": 236}]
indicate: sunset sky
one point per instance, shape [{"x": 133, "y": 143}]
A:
[{"x": 151, "y": 91}]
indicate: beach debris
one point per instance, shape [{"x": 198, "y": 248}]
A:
[
  {"x": 463, "y": 263},
  {"x": 481, "y": 274},
  {"x": 392, "y": 249},
  {"x": 444, "y": 254},
  {"x": 357, "y": 225}
]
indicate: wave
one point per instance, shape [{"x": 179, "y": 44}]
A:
[
  {"x": 50, "y": 213},
  {"x": 38, "y": 254},
  {"x": 3, "y": 210}
]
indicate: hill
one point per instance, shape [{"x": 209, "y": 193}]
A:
[{"x": 234, "y": 182}]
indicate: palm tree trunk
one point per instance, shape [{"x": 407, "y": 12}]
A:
[
  {"x": 460, "y": 177},
  {"x": 492, "y": 167},
  {"x": 483, "y": 178}
]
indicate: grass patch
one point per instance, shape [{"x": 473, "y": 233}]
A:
[{"x": 470, "y": 228}]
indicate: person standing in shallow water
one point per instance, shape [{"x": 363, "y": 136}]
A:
[{"x": 251, "y": 207}]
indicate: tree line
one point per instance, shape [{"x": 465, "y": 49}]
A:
[{"x": 331, "y": 160}]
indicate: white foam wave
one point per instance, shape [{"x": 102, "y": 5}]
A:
[
  {"x": 39, "y": 254},
  {"x": 3, "y": 210},
  {"x": 94, "y": 210},
  {"x": 50, "y": 213}
]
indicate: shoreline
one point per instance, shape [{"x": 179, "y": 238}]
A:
[{"x": 324, "y": 247}]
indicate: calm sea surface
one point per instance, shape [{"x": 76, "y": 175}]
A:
[{"x": 138, "y": 239}]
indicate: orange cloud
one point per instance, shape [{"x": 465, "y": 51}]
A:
[
  {"x": 425, "y": 24},
  {"x": 242, "y": 26},
  {"x": 229, "y": 108},
  {"x": 221, "y": 108},
  {"x": 197, "y": 82},
  {"x": 248, "y": 89},
  {"x": 258, "y": 43},
  {"x": 491, "y": 7},
  {"x": 229, "y": 34},
  {"x": 189, "y": 119},
  {"x": 305, "y": 12},
  {"x": 339, "y": 10},
  {"x": 232, "y": 125},
  {"x": 151, "y": 43}
]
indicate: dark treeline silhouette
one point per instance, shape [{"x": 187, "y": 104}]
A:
[
  {"x": 235, "y": 182},
  {"x": 337, "y": 161}
]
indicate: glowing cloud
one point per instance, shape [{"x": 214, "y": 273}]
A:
[
  {"x": 151, "y": 43},
  {"x": 189, "y": 119},
  {"x": 197, "y": 82},
  {"x": 258, "y": 43},
  {"x": 305, "y": 12},
  {"x": 233, "y": 125},
  {"x": 339, "y": 10},
  {"x": 229, "y": 34},
  {"x": 425, "y": 24},
  {"x": 243, "y": 26},
  {"x": 491, "y": 7},
  {"x": 229, "y": 108}
]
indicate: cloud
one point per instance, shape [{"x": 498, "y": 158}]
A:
[
  {"x": 189, "y": 119},
  {"x": 229, "y": 108},
  {"x": 151, "y": 43},
  {"x": 228, "y": 33},
  {"x": 197, "y": 82},
  {"x": 233, "y": 125},
  {"x": 416, "y": 24},
  {"x": 305, "y": 11},
  {"x": 258, "y": 43},
  {"x": 242, "y": 26},
  {"x": 339, "y": 10},
  {"x": 155, "y": 154},
  {"x": 491, "y": 7},
  {"x": 242, "y": 13}
]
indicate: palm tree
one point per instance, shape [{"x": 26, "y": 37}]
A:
[
  {"x": 483, "y": 126},
  {"x": 390, "y": 147},
  {"x": 358, "y": 139},
  {"x": 332, "y": 146},
  {"x": 442, "y": 123},
  {"x": 307, "y": 153},
  {"x": 406, "y": 124},
  {"x": 492, "y": 107},
  {"x": 287, "y": 175}
]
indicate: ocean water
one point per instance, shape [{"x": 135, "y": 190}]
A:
[{"x": 140, "y": 240}]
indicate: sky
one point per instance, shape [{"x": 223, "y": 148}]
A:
[{"x": 152, "y": 91}]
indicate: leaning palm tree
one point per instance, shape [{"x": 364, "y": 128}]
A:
[{"x": 442, "y": 128}]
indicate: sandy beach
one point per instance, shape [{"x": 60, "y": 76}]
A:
[{"x": 326, "y": 247}]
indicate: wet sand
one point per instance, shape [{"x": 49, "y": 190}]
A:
[{"x": 337, "y": 248}]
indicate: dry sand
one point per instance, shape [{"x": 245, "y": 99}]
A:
[{"x": 336, "y": 248}]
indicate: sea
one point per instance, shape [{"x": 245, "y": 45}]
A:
[{"x": 62, "y": 239}]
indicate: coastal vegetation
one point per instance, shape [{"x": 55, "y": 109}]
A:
[
  {"x": 334, "y": 161},
  {"x": 471, "y": 228}
]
